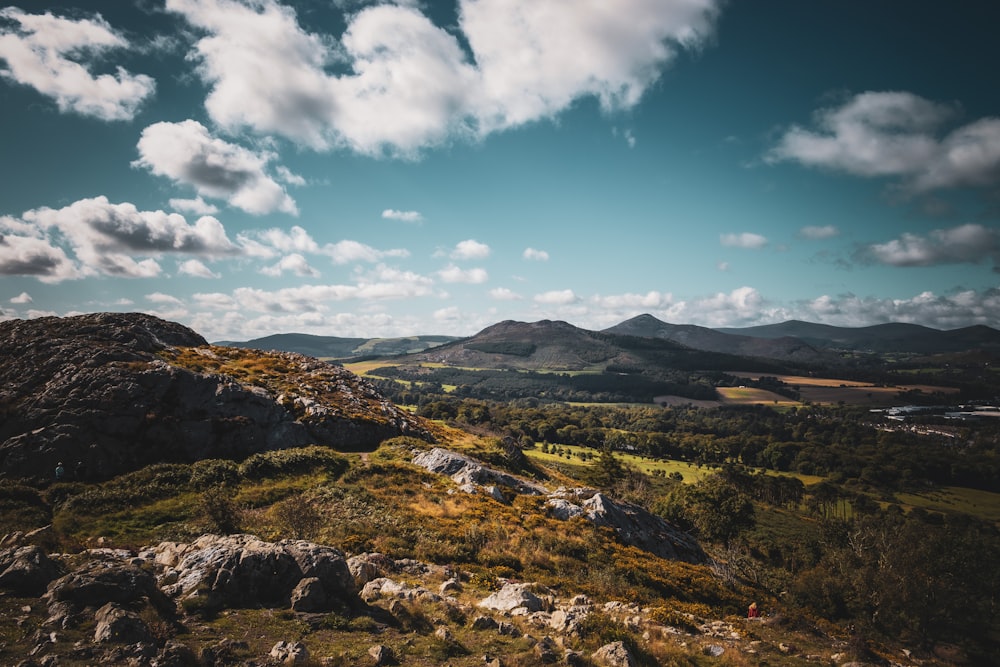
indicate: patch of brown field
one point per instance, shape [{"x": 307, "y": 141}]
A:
[{"x": 752, "y": 396}]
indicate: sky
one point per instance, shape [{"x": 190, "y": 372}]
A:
[{"x": 379, "y": 169}]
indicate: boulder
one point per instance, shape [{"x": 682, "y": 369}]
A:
[
  {"x": 117, "y": 625},
  {"x": 309, "y": 596},
  {"x": 472, "y": 475},
  {"x": 26, "y": 570},
  {"x": 101, "y": 579},
  {"x": 633, "y": 524},
  {"x": 382, "y": 655},
  {"x": 615, "y": 654},
  {"x": 513, "y": 596},
  {"x": 245, "y": 571},
  {"x": 289, "y": 653}
]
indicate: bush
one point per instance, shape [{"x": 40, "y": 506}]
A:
[
  {"x": 218, "y": 505},
  {"x": 299, "y": 460},
  {"x": 209, "y": 472},
  {"x": 297, "y": 518}
]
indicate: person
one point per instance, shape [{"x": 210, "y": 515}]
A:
[
  {"x": 60, "y": 471},
  {"x": 752, "y": 612}
]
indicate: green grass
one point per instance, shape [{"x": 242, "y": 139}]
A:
[{"x": 982, "y": 504}]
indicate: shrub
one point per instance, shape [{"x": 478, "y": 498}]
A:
[
  {"x": 297, "y": 517},
  {"x": 218, "y": 506},
  {"x": 208, "y": 472},
  {"x": 299, "y": 460}
]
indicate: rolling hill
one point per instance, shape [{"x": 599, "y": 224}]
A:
[{"x": 333, "y": 347}]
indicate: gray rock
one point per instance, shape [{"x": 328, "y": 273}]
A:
[
  {"x": 289, "y": 653},
  {"x": 382, "y": 655},
  {"x": 513, "y": 596},
  {"x": 615, "y": 654},
  {"x": 245, "y": 571},
  {"x": 26, "y": 570},
  {"x": 309, "y": 596},
  {"x": 117, "y": 625},
  {"x": 471, "y": 475},
  {"x": 715, "y": 650}
]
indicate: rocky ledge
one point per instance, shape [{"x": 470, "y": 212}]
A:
[{"x": 107, "y": 393}]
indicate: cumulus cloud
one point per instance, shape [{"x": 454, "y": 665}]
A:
[
  {"x": 454, "y": 274},
  {"x": 402, "y": 216},
  {"x": 814, "y": 232},
  {"x": 186, "y": 153},
  {"x": 504, "y": 294},
  {"x": 470, "y": 249},
  {"x": 161, "y": 298},
  {"x": 537, "y": 255},
  {"x": 897, "y": 134},
  {"x": 943, "y": 311},
  {"x": 557, "y": 297},
  {"x": 347, "y": 251},
  {"x": 196, "y": 206},
  {"x": 196, "y": 268},
  {"x": 743, "y": 240},
  {"x": 106, "y": 238},
  {"x": 294, "y": 263},
  {"x": 54, "y": 55},
  {"x": 407, "y": 84},
  {"x": 22, "y": 298},
  {"x": 965, "y": 244}
]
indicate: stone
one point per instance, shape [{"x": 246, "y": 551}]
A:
[
  {"x": 26, "y": 570},
  {"x": 452, "y": 585},
  {"x": 120, "y": 626},
  {"x": 382, "y": 655},
  {"x": 309, "y": 596},
  {"x": 176, "y": 654},
  {"x": 513, "y": 596},
  {"x": 484, "y": 623},
  {"x": 615, "y": 654},
  {"x": 546, "y": 650},
  {"x": 714, "y": 650},
  {"x": 289, "y": 653}
]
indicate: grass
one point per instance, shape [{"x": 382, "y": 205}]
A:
[{"x": 982, "y": 504}]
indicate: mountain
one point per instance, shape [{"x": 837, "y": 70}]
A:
[
  {"x": 116, "y": 392},
  {"x": 783, "y": 348},
  {"x": 879, "y": 338},
  {"x": 558, "y": 346},
  {"x": 326, "y": 347}
]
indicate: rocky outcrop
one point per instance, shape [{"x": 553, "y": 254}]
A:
[
  {"x": 244, "y": 571},
  {"x": 633, "y": 524},
  {"x": 107, "y": 393},
  {"x": 471, "y": 475}
]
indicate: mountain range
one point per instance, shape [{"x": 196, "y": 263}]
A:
[{"x": 534, "y": 344}]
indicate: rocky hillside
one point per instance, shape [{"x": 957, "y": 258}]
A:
[{"x": 109, "y": 392}]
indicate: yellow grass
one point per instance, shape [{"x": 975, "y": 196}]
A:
[{"x": 751, "y": 396}]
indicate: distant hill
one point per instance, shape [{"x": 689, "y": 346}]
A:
[
  {"x": 327, "y": 347},
  {"x": 556, "y": 345},
  {"x": 880, "y": 338},
  {"x": 784, "y": 348}
]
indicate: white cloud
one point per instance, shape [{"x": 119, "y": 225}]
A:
[
  {"x": 287, "y": 176},
  {"x": 344, "y": 252},
  {"x": 722, "y": 266},
  {"x": 960, "y": 309},
  {"x": 37, "y": 257},
  {"x": 743, "y": 240},
  {"x": 504, "y": 294},
  {"x": 22, "y": 298},
  {"x": 454, "y": 274},
  {"x": 106, "y": 238},
  {"x": 409, "y": 84},
  {"x": 160, "y": 297},
  {"x": 538, "y": 255},
  {"x": 819, "y": 232},
  {"x": 402, "y": 216},
  {"x": 965, "y": 244},
  {"x": 186, "y": 153},
  {"x": 897, "y": 134},
  {"x": 294, "y": 263},
  {"x": 557, "y": 297},
  {"x": 196, "y": 268},
  {"x": 470, "y": 249},
  {"x": 650, "y": 301},
  {"x": 51, "y": 53},
  {"x": 196, "y": 206}
]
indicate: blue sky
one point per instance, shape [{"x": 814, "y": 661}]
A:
[{"x": 353, "y": 168}]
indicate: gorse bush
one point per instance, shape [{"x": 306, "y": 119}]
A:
[
  {"x": 214, "y": 471},
  {"x": 298, "y": 461}
]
